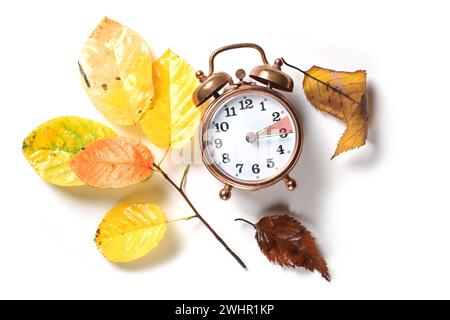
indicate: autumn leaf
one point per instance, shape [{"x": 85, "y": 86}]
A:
[
  {"x": 113, "y": 163},
  {"x": 172, "y": 118},
  {"x": 116, "y": 70},
  {"x": 285, "y": 241},
  {"x": 130, "y": 231},
  {"x": 340, "y": 94},
  {"x": 51, "y": 147}
]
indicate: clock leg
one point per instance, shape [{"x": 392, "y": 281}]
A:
[
  {"x": 225, "y": 193},
  {"x": 290, "y": 183}
]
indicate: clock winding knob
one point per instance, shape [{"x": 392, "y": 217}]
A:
[{"x": 240, "y": 74}]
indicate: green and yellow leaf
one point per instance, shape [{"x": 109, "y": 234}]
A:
[
  {"x": 113, "y": 163},
  {"x": 51, "y": 147},
  {"x": 116, "y": 70},
  {"x": 130, "y": 231},
  {"x": 172, "y": 119}
]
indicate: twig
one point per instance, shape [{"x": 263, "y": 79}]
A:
[{"x": 197, "y": 214}]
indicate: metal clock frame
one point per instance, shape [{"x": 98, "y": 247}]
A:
[{"x": 238, "y": 183}]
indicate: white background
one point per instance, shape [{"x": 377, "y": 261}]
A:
[{"x": 380, "y": 214}]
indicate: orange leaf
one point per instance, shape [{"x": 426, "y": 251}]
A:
[
  {"x": 113, "y": 163},
  {"x": 340, "y": 94}
]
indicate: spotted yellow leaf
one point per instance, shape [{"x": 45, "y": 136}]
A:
[
  {"x": 172, "y": 119},
  {"x": 116, "y": 70},
  {"x": 130, "y": 231},
  {"x": 51, "y": 147}
]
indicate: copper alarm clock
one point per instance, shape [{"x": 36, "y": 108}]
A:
[{"x": 251, "y": 135}]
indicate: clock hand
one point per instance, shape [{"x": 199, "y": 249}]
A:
[
  {"x": 278, "y": 128},
  {"x": 274, "y": 135}
]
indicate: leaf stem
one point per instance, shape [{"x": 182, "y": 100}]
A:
[
  {"x": 246, "y": 221},
  {"x": 182, "y": 219},
  {"x": 183, "y": 178},
  {"x": 138, "y": 132},
  {"x": 320, "y": 81},
  {"x": 197, "y": 214},
  {"x": 163, "y": 157}
]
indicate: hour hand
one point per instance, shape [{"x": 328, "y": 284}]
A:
[{"x": 282, "y": 127}]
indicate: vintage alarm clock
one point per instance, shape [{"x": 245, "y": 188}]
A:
[{"x": 251, "y": 135}]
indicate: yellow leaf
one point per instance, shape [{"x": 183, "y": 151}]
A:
[
  {"x": 356, "y": 133},
  {"x": 340, "y": 94},
  {"x": 172, "y": 119},
  {"x": 130, "y": 231},
  {"x": 113, "y": 163},
  {"x": 116, "y": 69},
  {"x": 51, "y": 147}
]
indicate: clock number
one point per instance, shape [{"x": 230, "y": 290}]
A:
[
  {"x": 224, "y": 126},
  {"x": 225, "y": 158},
  {"x": 280, "y": 149},
  {"x": 276, "y": 116},
  {"x": 283, "y": 132},
  {"x": 231, "y": 112},
  {"x": 246, "y": 104},
  {"x": 263, "y": 107},
  {"x": 270, "y": 163},
  {"x": 256, "y": 169},
  {"x": 239, "y": 166},
  {"x": 218, "y": 142}
]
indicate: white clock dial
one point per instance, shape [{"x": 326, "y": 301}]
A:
[{"x": 251, "y": 137}]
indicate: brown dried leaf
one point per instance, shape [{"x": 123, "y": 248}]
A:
[
  {"x": 285, "y": 241},
  {"x": 340, "y": 93}
]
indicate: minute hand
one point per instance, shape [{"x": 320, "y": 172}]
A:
[{"x": 278, "y": 128}]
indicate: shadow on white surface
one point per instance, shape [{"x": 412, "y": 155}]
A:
[
  {"x": 370, "y": 153},
  {"x": 151, "y": 190}
]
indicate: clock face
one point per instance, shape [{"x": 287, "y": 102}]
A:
[{"x": 251, "y": 137}]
